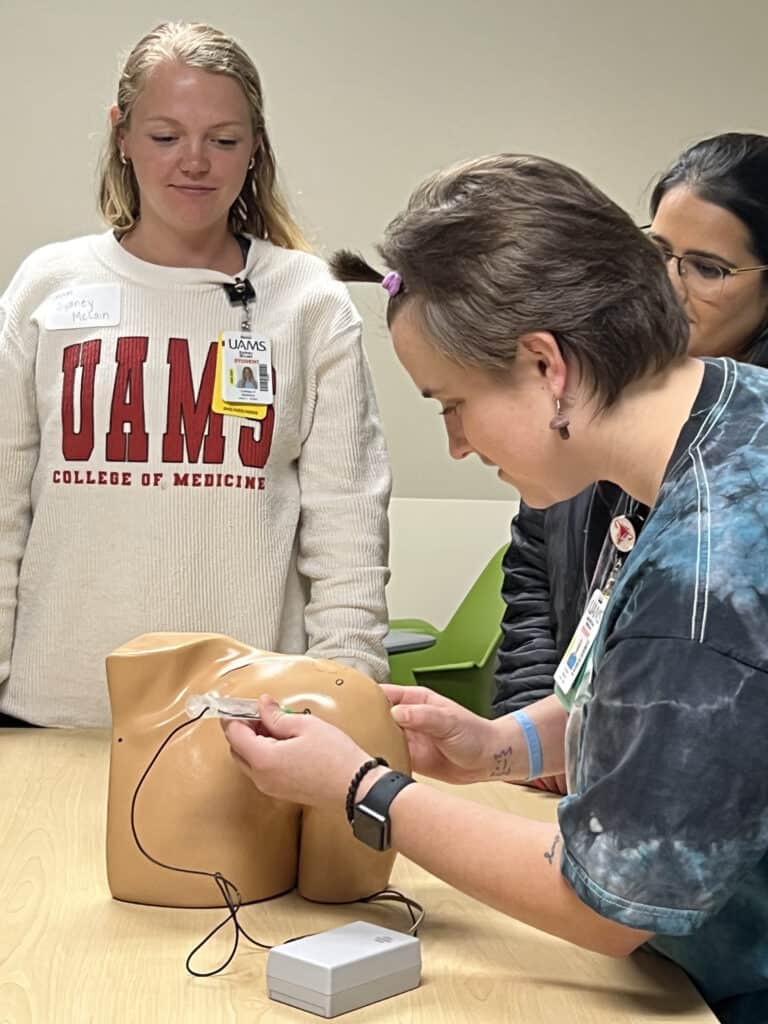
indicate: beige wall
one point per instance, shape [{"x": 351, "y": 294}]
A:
[
  {"x": 439, "y": 547},
  {"x": 365, "y": 98}
]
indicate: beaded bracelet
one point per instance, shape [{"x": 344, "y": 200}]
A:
[{"x": 357, "y": 779}]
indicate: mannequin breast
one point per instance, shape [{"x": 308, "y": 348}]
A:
[{"x": 196, "y": 810}]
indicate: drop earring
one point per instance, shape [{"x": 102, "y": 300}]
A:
[{"x": 560, "y": 421}]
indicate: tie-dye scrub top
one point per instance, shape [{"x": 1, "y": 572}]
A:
[{"x": 667, "y": 825}]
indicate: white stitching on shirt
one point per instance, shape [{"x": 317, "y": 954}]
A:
[
  {"x": 703, "y": 517},
  {"x": 698, "y": 548}
]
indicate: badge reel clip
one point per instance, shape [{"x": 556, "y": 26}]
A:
[{"x": 573, "y": 675}]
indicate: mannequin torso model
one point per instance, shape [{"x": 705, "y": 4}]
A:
[{"x": 196, "y": 810}]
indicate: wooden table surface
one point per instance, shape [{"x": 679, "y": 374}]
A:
[{"x": 70, "y": 954}]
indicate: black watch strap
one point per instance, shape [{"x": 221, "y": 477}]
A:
[
  {"x": 371, "y": 817},
  {"x": 384, "y": 790}
]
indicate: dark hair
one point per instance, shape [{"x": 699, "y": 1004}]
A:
[
  {"x": 731, "y": 171},
  {"x": 499, "y": 247}
]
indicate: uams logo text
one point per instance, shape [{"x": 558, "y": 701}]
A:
[
  {"x": 247, "y": 344},
  {"x": 192, "y": 430}
]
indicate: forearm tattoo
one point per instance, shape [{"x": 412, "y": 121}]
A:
[
  {"x": 550, "y": 853},
  {"x": 502, "y": 763}
]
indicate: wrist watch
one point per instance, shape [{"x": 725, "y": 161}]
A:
[{"x": 370, "y": 822}]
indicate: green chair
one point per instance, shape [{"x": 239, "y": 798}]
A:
[{"x": 462, "y": 662}]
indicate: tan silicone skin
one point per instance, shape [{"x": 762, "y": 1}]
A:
[{"x": 197, "y": 810}]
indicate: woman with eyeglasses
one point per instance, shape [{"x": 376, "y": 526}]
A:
[{"x": 710, "y": 222}]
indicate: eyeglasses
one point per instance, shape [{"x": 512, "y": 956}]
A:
[{"x": 704, "y": 277}]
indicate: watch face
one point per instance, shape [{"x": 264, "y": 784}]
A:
[{"x": 371, "y": 828}]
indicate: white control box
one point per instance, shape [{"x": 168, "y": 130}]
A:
[{"x": 344, "y": 968}]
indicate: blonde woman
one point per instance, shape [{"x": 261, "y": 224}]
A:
[{"x": 130, "y": 503}]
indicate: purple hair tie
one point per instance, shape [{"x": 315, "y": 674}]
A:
[{"x": 393, "y": 283}]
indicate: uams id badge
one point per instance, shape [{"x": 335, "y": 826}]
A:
[{"x": 247, "y": 365}]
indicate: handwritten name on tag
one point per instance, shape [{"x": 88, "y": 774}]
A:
[{"x": 93, "y": 305}]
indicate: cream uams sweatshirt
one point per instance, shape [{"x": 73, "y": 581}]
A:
[{"x": 128, "y": 506}]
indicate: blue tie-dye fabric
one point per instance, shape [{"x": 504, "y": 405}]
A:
[{"x": 667, "y": 827}]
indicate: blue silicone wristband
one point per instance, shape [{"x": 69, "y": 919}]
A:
[{"x": 533, "y": 743}]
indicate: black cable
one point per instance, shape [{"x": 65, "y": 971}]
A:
[
  {"x": 229, "y": 891},
  {"x": 390, "y": 895}
]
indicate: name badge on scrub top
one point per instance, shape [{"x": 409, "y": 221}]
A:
[
  {"x": 576, "y": 666},
  {"x": 243, "y": 384},
  {"x": 92, "y": 305}
]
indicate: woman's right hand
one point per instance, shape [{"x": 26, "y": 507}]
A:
[{"x": 445, "y": 740}]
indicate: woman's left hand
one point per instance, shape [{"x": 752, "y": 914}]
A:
[{"x": 295, "y": 757}]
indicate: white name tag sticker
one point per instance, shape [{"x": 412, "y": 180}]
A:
[{"x": 92, "y": 305}]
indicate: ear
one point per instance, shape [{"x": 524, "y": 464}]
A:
[
  {"x": 114, "y": 120},
  {"x": 541, "y": 349}
]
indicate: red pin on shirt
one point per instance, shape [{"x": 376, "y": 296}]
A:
[{"x": 623, "y": 534}]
